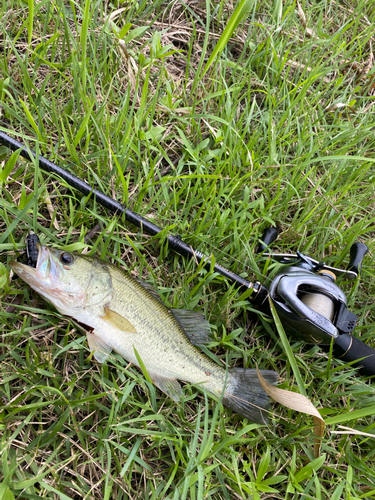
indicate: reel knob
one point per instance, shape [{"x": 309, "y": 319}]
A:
[
  {"x": 357, "y": 252},
  {"x": 269, "y": 236}
]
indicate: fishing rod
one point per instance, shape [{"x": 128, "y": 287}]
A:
[{"x": 308, "y": 301}]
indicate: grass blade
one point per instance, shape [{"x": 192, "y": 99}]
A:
[
  {"x": 288, "y": 350},
  {"x": 31, "y": 22},
  {"x": 236, "y": 18}
]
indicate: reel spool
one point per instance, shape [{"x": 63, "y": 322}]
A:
[{"x": 319, "y": 303}]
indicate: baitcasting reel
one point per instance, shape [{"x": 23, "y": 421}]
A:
[{"x": 312, "y": 307}]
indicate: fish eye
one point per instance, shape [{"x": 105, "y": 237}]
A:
[{"x": 66, "y": 258}]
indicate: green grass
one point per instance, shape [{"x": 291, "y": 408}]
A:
[{"x": 270, "y": 127}]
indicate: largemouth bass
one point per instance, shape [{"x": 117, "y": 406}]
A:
[{"x": 126, "y": 316}]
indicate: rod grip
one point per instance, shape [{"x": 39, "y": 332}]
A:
[
  {"x": 357, "y": 252},
  {"x": 269, "y": 236},
  {"x": 349, "y": 348}
]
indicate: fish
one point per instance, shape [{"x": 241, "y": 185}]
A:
[{"x": 125, "y": 315}]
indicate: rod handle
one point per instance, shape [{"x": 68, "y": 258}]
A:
[
  {"x": 357, "y": 252},
  {"x": 269, "y": 236},
  {"x": 349, "y": 348}
]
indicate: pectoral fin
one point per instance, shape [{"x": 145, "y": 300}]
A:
[
  {"x": 169, "y": 386},
  {"x": 100, "y": 349},
  {"x": 118, "y": 321}
]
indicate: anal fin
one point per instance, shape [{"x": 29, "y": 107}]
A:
[
  {"x": 170, "y": 386},
  {"x": 100, "y": 349}
]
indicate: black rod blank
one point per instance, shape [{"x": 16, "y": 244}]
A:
[{"x": 175, "y": 242}]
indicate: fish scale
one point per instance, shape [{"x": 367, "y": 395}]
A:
[{"x": 152, "y": 318}]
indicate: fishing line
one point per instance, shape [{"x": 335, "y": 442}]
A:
[
  {"x": 169, "y": 221},
  {"x": 174, "y": 242}
]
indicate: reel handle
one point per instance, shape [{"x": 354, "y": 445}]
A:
[
  {"x": 269, "y": 236},
  {"x": 349, "y": 348},
  {"x": 357, "y": 252}
]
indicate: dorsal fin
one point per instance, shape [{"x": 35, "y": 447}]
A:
[
  {"x": 196, "y": 327},
  {"x": 150, "y": 288}
]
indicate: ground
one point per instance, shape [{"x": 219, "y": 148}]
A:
[{"x": 214, "y": 120}]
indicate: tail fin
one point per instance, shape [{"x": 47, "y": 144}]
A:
[{"x": 244, "y": 394}]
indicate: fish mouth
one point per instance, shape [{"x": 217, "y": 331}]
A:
[
  {"x": 45, "y": 273},
  {"x": 50, "y": 280}
]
